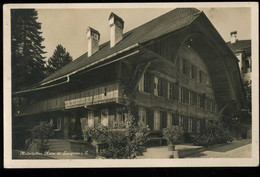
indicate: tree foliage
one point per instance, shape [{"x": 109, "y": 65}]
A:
[
  {"x": 26, "y": 48},
  {"x": 173, "y": 134},
  {"x": 43, "y": 131},
  {"x": 215, "y": 134},
  {"x": 126, "y": 141},
  {"x": 59, "y": 59}
]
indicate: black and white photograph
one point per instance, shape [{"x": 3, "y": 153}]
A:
[{"x": 131, "y": 85}]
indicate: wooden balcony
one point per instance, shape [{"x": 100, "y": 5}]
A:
[{"x": 93, "y": 96}]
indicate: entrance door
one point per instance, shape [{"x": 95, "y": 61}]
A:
[{"x": 104, "y": 117}]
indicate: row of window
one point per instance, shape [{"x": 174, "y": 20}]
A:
[
  {"x": 162, "y": 119},
  {"x": 192, "y": 71},
  {"x": 190, "y": 123},
  {"x": 185, "y": 96},
  {"x": 195, "y": 99}
]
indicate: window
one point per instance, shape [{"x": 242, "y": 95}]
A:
[
  {"x": 57, "y": 123},
  {"x": 193, "y": 71},
  {"x": 190, "y": 125},
  {"x": 142, "y": 114},
  {"x": 190, "y": 97},
  {"x": 104, "y": 117},
  {"x": 181, "y": 121},
  {"x": 157, "y": 86},
  {"x": 146, "y": 83},
  {"x": 169, "y": 119},
  {"x": 182, "y": 95},
  {"x": 184, "y": 66},
  {"x": 198, "y": 126},
  {"x": 194, "y": 99},
  {"x": 170, "y": 91},
  {"x": 141, "y": 84},
  {"x": 199, "y": 101}
]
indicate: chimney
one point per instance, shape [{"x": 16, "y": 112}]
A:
[
  {"x": 233, "y": 36},
  {"x": 93, "y": 41},
  {"x": 116, "y": 29}
]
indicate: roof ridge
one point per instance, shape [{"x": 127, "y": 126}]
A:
[
  {"x": 156, "y": 18},
  {"x": 174, "y": 16}
]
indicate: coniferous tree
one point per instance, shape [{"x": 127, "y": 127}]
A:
[
  {"x": 26, "y": 48},
  {"x": 59, "y": 59}
]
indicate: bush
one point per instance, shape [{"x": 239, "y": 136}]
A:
[
  {"x": 120, "y": 143},
  {"x": 43, "y": 131},
  {"x": 215, "y": 134},
  {"x": 173, "y": 134}
]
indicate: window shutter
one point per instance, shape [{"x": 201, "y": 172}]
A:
[
  {"x": 165, "y": 88},
  {"x": 151, "y": 83}
]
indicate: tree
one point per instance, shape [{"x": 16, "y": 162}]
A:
[
  {"x": 26, "y": 48},
  {"x": 59, "y": 59},
  {"x": 43, "y": 131}
]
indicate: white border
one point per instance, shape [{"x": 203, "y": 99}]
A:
[{"x": 219, "y": 162}]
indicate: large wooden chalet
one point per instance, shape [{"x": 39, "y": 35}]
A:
[{"x": 177, "y": 68}]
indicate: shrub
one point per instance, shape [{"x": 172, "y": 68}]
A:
[
  {"x": 173, "y": 134},
  {"x": 214, "y": 134},
  {"x": 43, "y": 131},
  {"x": 127, "y": 140}
]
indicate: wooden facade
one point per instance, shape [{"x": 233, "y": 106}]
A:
[{"x": 186, "y": 77}]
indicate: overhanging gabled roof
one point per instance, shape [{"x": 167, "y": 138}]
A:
[{"x": 169, "y": 22}]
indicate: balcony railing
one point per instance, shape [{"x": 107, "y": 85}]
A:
[{"x": 103, "y": 94}]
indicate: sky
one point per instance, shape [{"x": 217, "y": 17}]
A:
[{"x": 68, "y": 26}]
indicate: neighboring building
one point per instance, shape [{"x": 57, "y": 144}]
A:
[
  {"x": 177, "y": 69},
  {"x": 242, "y": 50}
]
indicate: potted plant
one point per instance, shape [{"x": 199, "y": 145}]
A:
[{"x": 173, "y": 134}]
